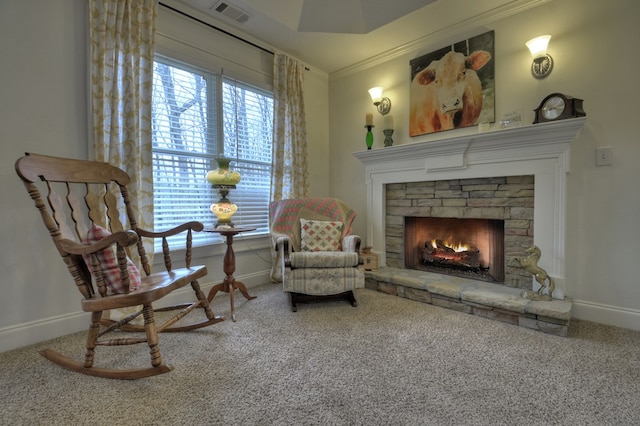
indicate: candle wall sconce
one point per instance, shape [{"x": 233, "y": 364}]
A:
[
  {"x": 383, "y": 104},
  {"x": 542, "y": 62}
]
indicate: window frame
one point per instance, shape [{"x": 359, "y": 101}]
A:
[{"x": 218, "y": 145}]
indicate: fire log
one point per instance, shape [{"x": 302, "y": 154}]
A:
[{"x": 443, "y": 255}]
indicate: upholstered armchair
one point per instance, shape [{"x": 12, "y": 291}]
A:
[{"x": 315, "y": 255}]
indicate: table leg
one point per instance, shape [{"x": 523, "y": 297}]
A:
[
  {"x": 229, "y": 284},
  {"x": 216, "y": 288},
  {"x": 243, "y": 289}
]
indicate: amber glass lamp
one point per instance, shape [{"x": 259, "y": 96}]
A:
[{"x": 223, "y": 180}]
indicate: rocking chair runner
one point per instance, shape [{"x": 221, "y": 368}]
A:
[{"x": 77, "y": 194}]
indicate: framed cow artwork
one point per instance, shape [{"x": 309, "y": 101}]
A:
[{"x": 453, "y": 87}]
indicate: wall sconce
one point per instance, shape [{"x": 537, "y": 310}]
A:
[
  {"x": 383, "y": 104},
  {"x": 542, "y": 62}
]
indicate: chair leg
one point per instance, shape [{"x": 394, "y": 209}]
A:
[
  {"x": 294, "y": 301},
  {"x": 92, "y": 339},
  {"x": 352, "y": 298},
  {"x": 186, "y": 308},
  {"x": 205, "y": 302},
  {"x": 152, "y": 335}
]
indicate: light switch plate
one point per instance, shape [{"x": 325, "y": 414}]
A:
[{"x": 604, "y": 156}]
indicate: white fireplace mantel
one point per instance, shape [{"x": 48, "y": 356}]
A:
[{"x": 541, "y": 150}]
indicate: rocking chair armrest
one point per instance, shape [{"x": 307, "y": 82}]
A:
[
  {"x": 122, "y": 238},
  {"x": 166, "y": 250},
  {"x": 193, "y": 225}
]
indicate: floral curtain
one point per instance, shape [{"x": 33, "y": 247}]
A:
[
  {"x": 122, "y": 45},
  {"x": 121, "y": 36},
  {"x": 289, "y": 177}
]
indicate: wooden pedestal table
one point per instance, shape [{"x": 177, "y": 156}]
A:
[{"x": 229, "y": 285}]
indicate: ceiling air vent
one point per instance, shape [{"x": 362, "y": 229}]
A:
[{"x": 231, "y": 12}]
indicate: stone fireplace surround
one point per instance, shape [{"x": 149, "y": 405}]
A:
[
  {"x": 507, "y": 199},
  {"x": 541, "y": 150}
]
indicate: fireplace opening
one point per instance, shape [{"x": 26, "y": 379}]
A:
[{"x": 470, "y": 248}]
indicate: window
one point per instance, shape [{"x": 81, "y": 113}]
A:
[{"x": 196, "y": 116}]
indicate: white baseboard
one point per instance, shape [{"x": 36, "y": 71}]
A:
[
  {"x": 606, "y": 314},
  {"x": 29, "y": 333}
]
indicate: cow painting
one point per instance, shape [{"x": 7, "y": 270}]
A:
[{"x": 448, "y": 93}]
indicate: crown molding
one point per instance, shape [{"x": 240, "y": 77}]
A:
[{"x": 483, "y": 19}]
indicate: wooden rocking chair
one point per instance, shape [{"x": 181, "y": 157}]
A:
[{"x": 77, "y": 197}]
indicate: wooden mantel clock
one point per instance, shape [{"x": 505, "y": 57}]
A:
[{"x": 556, "y": 107}]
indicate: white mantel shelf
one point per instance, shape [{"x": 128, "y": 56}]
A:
[
  {"x": 530, "y": 138},
  {"x": 541, "y": 150}
]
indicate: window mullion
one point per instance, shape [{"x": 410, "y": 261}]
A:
[{"x": 219, "y": 108}]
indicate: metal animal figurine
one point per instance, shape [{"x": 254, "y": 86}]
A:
[{"x": 530, "y": 264}]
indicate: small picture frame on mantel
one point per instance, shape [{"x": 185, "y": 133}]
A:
[{"x": 512, "y": 119}]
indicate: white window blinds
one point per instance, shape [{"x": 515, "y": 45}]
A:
[{"x": 189, "y": 132}]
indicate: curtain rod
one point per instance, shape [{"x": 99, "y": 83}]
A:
[{"x": 216, "y": 28}]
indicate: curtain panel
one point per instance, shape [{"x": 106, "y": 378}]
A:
[
  {"x": 122, "y": 48},
  {"x": 289, "y": 176}
]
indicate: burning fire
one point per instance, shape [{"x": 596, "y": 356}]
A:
[{"x": 457, "y": 247}]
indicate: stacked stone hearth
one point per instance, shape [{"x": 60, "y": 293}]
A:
[{"x": 487, "y": 300}]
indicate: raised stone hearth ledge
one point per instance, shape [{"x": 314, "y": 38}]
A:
[{"x": 484, "y": 299}]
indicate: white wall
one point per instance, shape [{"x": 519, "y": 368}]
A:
[
  {"x": 44, "y": 108},
  {"x": 593, "y": 46},
  {"x": 316, "y": 92}
]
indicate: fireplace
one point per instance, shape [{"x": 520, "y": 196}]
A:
[
  {"x": 469, "y": 248},
  {"x": 540, "y": 151},
  {"x": 494, "y": 214}
]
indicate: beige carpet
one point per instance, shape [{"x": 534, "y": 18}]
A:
[{"x": 390, "y": 361}]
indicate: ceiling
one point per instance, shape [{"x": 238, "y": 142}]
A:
[{"x": 331, "y": 35}]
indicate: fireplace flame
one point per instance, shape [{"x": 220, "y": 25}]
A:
[{"x": 457, "y": 247}]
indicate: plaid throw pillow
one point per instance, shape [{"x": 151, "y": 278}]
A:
[
  {"x": 316, "y": 235},
  {"x": 109, "y": 262}
]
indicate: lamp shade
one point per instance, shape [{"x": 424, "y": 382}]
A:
[
  {"x": 538, "y": 46},
  {"x": 376, "y": 94},
  {"x": 222, "y": 175}
]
